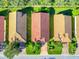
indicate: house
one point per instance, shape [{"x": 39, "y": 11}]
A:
[
  {"x": 40, "y": 27},
  {"x": 1, "y": 32},
  {"x": 76, "y": 20},
  {"x": 1, "y": 28},
  {"x": 21, "y": 24},
  {"x": 63, "y": 31},
  {"x": 76, "y": 27},
  {"x": 17, "y": 26},
  {"x": 62, "y": 25}
]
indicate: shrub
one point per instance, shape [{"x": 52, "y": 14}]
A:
[
  {"x": 33, "y": 48},
  {"x": 73, "y": 46},
  {"x": 54, "y": 47}
]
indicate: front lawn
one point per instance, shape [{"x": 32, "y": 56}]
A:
[
  {"x": 33, "y": 48},
  {"x": 72, "y": 46},
  {"x": 54, "y": 47}
]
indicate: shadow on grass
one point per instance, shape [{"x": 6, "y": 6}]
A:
[
  {"x": 66, "y": 12},
  {"x": 4, "y": 13},
  {"x": 51, "y": 24}
]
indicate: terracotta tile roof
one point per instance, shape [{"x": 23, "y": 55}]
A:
[
  {"x": 1, "y": 28},
  {"x": 40, "y": 26},
  {"x": 62, "y": 25},
  {"x": 17, "y": 25}
]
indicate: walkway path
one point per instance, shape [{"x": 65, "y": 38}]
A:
[
  {"x": 44, "y": 49},
  {"x": 65, "y": 49},
  {"x": 23, "y": 52}
]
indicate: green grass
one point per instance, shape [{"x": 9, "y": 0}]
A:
[
  {"x": 57, "y": 9},
  {"x": 2, "y": 9},
  {"x": 72, "y": 46},
  {"x": 33, "y": 48},
  {"x": 57, "y": 50},
  {"x": 54, "y": 47}
]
